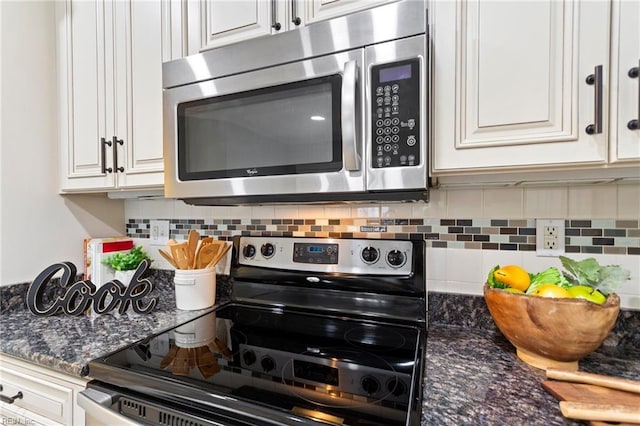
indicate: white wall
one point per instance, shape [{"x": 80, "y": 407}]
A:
[{"x": 38, "y": 227}]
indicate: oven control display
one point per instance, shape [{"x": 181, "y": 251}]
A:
[
  {"x": 395, "y": 114},
  {"x": 316, "y": 372},
  {"x": 317, "y": 253}
]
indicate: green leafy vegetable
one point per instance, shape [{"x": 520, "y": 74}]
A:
[
  {"x": 126, "y": 261},
  {"x": 549, "y": 276},
  {"x": 589, "y": 272},
  {"x": 492, "y": 282}
]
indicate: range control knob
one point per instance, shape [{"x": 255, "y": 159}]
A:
[
  {"x": 396, "y": 387},
  {"x": 370, "y": 385},
  {"x": 267, "y": 250},
  {"x": 396, "y": 258},
  {"x": 248, "y": 251},
  {"x": 267, "y": 364},
  {"x": 249, "y": 357},
  {"x": 370, "y": 254}
]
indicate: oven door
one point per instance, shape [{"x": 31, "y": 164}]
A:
[{"x": 289, "y": 129}]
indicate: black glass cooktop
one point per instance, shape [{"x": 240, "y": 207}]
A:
[{"x": 332, "y": 369}]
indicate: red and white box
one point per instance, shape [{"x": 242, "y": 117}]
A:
[{"x": 95, "y": 250}]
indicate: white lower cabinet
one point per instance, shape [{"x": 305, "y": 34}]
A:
[
  {"x": 510, "y": 83},
  {"x": 45, "y": 397}
]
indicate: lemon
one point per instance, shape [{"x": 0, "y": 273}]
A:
[
  {"x": 513, "y": 276},
  {"x": 551, "y": 290}
]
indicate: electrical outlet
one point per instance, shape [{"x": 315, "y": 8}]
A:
[
  {"x": 549, "y": 237},
  {"x": 158, "y": 232}
]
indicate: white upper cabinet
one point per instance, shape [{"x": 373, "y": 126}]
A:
[
  {"x": 215, "y": 23},
  {"x": 110, "y": 74},
  {"x": 510, "y": 84},
  {"x": 625, "y": 83},
  {"x": 319, "y": 10}
]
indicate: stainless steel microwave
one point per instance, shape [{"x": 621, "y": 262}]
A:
[{"x": 332, "y": 112}]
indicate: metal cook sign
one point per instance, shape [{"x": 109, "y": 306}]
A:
[{"x": 80, "y": 295}]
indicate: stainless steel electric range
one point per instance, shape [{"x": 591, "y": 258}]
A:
[{"x": 318, "y": 331}]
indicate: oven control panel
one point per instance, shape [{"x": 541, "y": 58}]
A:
[{"x": 355, "y": 256}]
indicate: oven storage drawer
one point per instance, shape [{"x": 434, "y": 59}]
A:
[{"x": 42, "y": 398}]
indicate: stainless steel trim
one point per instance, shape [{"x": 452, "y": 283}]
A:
[
  {"x": 349, "y": 259},
  {"x": 350, "y": 151},
  {"x": 97, "y": 405}
]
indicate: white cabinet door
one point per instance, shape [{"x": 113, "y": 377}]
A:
[
  {"x": 84, "y": 87},
  {"x": 625, "y": 82},
  {"x": 111, "y": 94},
  {"x": 47, "y": 397},
  {"x": 509, "y": 83},
  {"x": 138, "y": 88},
  {"x": 215, "y": 23},
  {"x": 319, "y": 10}
]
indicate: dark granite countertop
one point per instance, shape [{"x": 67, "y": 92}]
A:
[
  {"x": 67, "y": 343},
  {"x": 472, "y": 374}
]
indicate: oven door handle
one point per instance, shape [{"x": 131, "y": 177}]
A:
[
  {"x": 96, "y": 405},
  {"x": 349, "y": 117}
]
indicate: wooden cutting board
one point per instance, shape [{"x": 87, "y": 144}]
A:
[{"x": 579, "y": 392}]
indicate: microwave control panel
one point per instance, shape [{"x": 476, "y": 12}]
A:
[{"x": 395, "y": 120}]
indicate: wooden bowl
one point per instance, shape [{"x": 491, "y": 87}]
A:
[{"x": 550, "y": 332}]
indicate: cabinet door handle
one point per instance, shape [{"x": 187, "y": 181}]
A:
[
  {"x": 103, "y": 148},
  {"x": 595, "y": 79},
  {"x": 9, "y": 399},
  {"x": 635, "y": 123},
  {"x": 294, "y": 13},
  {"x": 115, "y": 144},
  {"x": 274, "y": 22}
]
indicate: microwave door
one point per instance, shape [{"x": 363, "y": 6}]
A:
[{"x": 290, "y": 129}]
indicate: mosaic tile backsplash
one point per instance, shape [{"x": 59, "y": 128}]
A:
[{"x": 620, "y": 237}]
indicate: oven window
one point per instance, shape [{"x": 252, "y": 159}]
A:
[{"x": 287, "y": 129}]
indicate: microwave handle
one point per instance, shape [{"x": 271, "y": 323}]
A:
[{"x": 349, "y": 115}]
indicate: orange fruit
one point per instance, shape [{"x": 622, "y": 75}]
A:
[
  {"x": 513, "y": 276},
  {"x": 551, "y": 290}
]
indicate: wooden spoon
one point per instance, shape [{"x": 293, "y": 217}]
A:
[
  {"x": 169, "y": 357},
  {"x": 181, "y": 362},
  {"x": 168, "y": 258},
  {"x": 179, "y": 252},
  {"x": 207, "y": 363},
  {"x": 219, "y": 256},
  {"x": 206, "y": 254},
  {"x": 192, "y": 245}
]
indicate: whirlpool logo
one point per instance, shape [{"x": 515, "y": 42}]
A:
[{"x": 252, "y": 172}]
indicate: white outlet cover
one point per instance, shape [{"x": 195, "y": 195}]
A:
[
  {"x": 158, "y": 232},
  {"x": 541, "y": 224}
]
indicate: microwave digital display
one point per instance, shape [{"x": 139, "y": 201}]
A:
[{"x": 401, "y": 72}]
